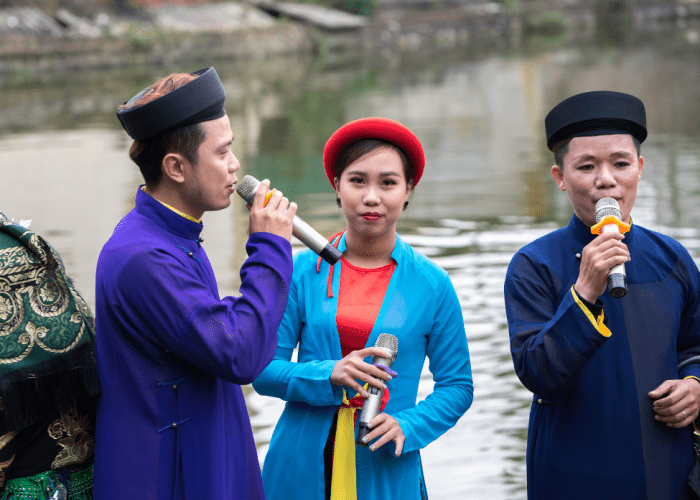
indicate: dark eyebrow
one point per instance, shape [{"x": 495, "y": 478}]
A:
[
  {"x": 584, "y": 158},
  {"x": 225, "y": 143},
  {"x": 592, "y": 158},
  {"x": 383, "y": 174},
  {"x": 623, "y": 154}
]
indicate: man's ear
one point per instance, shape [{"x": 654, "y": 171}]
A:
[
  {"x": 174, "y": 167},
  {"x": 558, "y": 175}
]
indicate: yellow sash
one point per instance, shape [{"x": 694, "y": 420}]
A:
[{"x": 344, "y": 480}]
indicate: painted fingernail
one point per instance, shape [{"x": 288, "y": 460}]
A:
[
  {"x": 364, "y": 439},
  {"x": 371, "y": 448},
  {"x": 390, "y": 377},
  {"x": 369, "y": 425},
  {"x": 365, "y": 395}
]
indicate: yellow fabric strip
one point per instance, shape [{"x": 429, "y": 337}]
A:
[
  {"x": 597, "y": 323},
  {"x": 182, "y": 214},
  {"x": 344, "y": 480},
  {"x": 692, "y": 376}
]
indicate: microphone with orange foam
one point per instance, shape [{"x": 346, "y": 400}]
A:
[
  {"x": 303, "y": 232},
  {"x": 608, "y": 219}
]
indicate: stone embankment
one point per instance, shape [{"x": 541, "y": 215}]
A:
[{"x": 32, "y": 40}]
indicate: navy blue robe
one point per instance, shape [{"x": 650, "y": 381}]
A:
[
  {"x": 592, "y": 432},
  {"x": 172, "y": 421}
]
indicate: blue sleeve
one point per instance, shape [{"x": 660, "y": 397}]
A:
[
  {"x": 232, "y": 338},
  {"x": 307, "y": 382},
  {"x": 549, "y": 343},
  {"x": 451, "y": 368},
  {"x": 688, "y": 344}
]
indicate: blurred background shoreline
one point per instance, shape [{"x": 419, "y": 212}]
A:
[{"x": 40, "y": 38}]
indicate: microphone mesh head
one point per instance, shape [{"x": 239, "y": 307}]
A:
[
  {"x": 387, "y": 341},
  {"x": 605, "y": 207},
  {"x": 247, "y": 187}
]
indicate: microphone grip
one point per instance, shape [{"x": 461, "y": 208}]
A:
[
  {"x": 309, "y": 237},
  {"x": 370, "y": 409},
  {"x": 362, "y": 431},
  {"x": 617, "y": 282},
  {"x": 617, "y": 278}
]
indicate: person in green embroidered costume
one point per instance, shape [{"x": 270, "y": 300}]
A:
[{"x": 48, "y": 376}]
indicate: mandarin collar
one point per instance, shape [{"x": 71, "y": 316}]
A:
[
  {"x": 396, "y": 253},
  {"x": 582, "y": 232},
  {"x": 148, "y": 206}
]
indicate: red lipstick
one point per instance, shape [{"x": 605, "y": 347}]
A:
[{"x": 371, "y": 216}]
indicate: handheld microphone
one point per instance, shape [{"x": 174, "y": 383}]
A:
[
  {"x": 617, "y": 278},
  {"x": 370, "y": 408},
  {"x": 305, "y": 233}
]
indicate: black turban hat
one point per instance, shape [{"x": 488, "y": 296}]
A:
[
  {"x": 199, "y": 100},
  {"x": 596, "y": 113}
]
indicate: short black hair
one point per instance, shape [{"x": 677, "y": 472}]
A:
[{"x": 148, "y": 154}]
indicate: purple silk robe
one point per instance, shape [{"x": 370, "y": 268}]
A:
[{"x": 172, "y": 421}]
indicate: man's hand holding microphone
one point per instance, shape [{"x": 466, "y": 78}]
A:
[
  {"x": 271, "y": 212},
  {"x": 602, "y": 257}
]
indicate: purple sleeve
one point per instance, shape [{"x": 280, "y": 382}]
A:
[{"x": 172, "y": 305}]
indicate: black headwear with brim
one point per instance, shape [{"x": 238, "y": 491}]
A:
[
  {"x": 600, "y": 112},
  {"x": 199, "y": 100}
]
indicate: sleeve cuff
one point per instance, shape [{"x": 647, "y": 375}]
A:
[
  {"x": 596, "y": 309},
  {"x": 596, "y": 321}
]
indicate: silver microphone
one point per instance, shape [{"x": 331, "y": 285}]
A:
[
  {"x": 617, "y": 278},
  {"x": 247, "y": 187},
  {"x": 370, "y": 408}
]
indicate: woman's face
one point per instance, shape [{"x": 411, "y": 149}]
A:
[{"x": 372, "y": 191}]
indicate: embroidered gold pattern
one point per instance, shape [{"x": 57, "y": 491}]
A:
[
  {"x": 6, "y": 308},
  {"x": 26, "y": 283},
  {"x": 33, "y": 335},
  {"x": 16, "y": 260},
  {"x": 4, "y": 441},
  {"x": 71, "y": 433}
]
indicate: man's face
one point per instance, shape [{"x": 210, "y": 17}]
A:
[
  {"x": 211, "y": 181},
  {"x": 597, "y": 167}
]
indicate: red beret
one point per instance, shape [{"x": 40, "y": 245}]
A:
[{"x": 374, "y": 128}]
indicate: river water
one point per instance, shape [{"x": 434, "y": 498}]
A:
[{"x": 486, "y": 191}]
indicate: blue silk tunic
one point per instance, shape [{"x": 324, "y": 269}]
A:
[
  {"x": 421, "y": 308},
  {"x": 172, "y": 422},
  {"x": 592, "y": 433}
]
